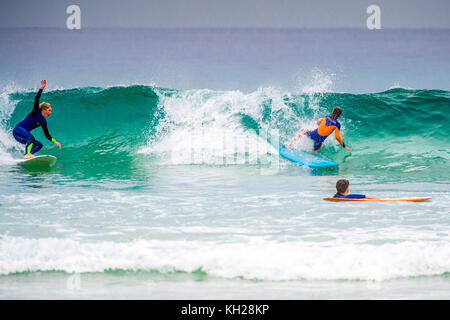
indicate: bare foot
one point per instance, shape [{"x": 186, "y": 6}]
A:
[{"x": 28, "y": 156}]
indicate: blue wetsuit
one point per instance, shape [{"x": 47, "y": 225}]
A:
[
  {"x": 350, "y": 196},
  {"x": 33, "y": 120}
]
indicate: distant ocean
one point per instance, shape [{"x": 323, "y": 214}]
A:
[{"x": 169, "y": 184}]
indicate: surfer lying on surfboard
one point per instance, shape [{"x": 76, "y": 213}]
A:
[
  {"x": 326, "y": 127},
  {"x": 33, "y": 120},
  {"x": 342, "y": 188}
]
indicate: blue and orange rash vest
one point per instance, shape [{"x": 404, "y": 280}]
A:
[
  {"x": 35, "y": 119},
  {"x": 326, "y": 127},
  {"x": 350, "y": 196}
]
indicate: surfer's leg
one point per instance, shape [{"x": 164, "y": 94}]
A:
[
  {"x": 317, "y": 146},
  {"x": 31, "y": 144},
  {"x": 23, "y": 136},
  {"x": 298, "y": 137},
  {"x": 37, "y": 145},
  {"x": 32, "y": 147},
  {"x": 317, "y": 138}
]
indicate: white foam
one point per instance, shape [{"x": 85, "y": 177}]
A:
[
  {"x": 204, "y": 126},
  {"x": 317, "y": 82},
  {"x": 7, "y": 142},
  {"x": 397, "y": 85},
  {"x": 256, "y": 259}
]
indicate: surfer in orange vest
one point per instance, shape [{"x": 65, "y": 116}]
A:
[{"x": 326, "y": 127}]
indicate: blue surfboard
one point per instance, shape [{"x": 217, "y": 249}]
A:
[{"x": 306, "y": 158}]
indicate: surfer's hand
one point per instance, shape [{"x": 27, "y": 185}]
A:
[
  {"x": 43, "y": 84},
  {"x": 58, "y": 144},
  {"x": 347, "y": 148}
]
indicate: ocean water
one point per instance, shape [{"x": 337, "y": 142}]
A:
[{"x": 169, "y": 184}]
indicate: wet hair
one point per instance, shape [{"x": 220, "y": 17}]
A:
[
  {"x": 336, "y": 113},
  {"x": 341, "y": 186},
  {"x": 44, "y": 106}
]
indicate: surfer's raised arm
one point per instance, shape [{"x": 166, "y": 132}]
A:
[{"x": 38, "y": 96}]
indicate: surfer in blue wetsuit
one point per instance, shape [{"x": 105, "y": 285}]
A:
[
  {"x": 326, "y": 127},
  {"x": 34, "y": 119},
  {"x": 342, "y": 188}
]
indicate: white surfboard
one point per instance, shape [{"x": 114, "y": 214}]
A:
[{"x": 38, "y": 161}]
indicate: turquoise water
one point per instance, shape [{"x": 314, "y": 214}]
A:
[
  {"x": 162, "y": 192},
  {"x": 118, "y": 132}
]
